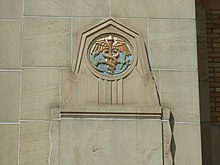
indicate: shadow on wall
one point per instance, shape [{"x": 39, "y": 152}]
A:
[
  {"x": 215, "y": 136},
  {"x": 208, "y": 156},
  {"x": 173, "y": 144}
]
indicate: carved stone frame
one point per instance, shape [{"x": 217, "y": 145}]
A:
[
  {"x": 110, "y": 26},
  {"x": 131, "y": 41}
]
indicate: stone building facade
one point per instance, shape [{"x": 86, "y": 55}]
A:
[{"x": 57, "y": 109}]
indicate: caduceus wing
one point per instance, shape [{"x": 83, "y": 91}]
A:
[
  {"x": 99, "y": 46},
  {"x": 122, "y": 46}
]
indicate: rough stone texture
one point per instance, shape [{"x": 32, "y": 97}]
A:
[
  {"x": 156, "y": 76},
  {"x": 34, "y": 143},
  {"x": 187, "y": 144},
  {"x": 75, "y": 89},
  {"x": 40, "y": 93},
  {"x": 46, "y": 42},
  {"x": 153, "y": 9},
  {"x": 167, "y": 138},
  {"x": 179, "y": 91},
  {"x": 140, "y": 90},
  {"x": 66, "y": 7},
  {"x": 9, "y": 96},
  {"x": 55, "y": 142},
  {"x": 9, "y": 144},
  {"x": 139, "y": 25},
  {"x": 172, "y": 44},
  {"x": 130, "y": 142},
  {"x": 39, "y": 143},
  {"x": 10, "y": 47},
  {"x": 11, "y": 9}
]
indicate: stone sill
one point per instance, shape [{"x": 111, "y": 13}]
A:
[{"x": 111, "y": 111}]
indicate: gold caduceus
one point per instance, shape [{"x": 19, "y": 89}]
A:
[
  {"x": 110, "y": 59},
  {"x": 110, "y": 50}
]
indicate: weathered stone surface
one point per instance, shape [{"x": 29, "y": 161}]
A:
[
  {"x": 9, "y": 96},
  {"x": 11, "y": 9},
  {"x": 167, "y": 136},
  {"x": 139, "y": 25},
  {"x": 140, "y": 91},
  {"x": 179, "y": 91},
  {"x": 172, "y": 44},
  {"x": 187, "y": 143},
  {"x": 156, "y": 76},
  {"x": 39, "y": 143},
  {"x": 9, "y": 144},
  {"x": 96, "y": 142},
  {"x": 40, "y": 93},
  {"x": 67, "y": 7},
  {"x": 153, "y": 9},
  {"x": 75, "y": 89},
  {"x": 78, "y": 25},
  {"x": 34, "y": 143},
  {"x": 10, "y": 47},
  {"x": 46, "y": 42}
]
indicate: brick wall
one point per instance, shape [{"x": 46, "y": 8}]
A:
[{"x": 213, "y": 43}]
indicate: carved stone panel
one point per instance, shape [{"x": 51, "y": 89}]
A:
[
  {"x": 112, "y": 68},
  {"x": 110, "y": 112}
]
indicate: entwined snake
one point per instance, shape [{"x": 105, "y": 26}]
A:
[{"x": 111, "y": 61}]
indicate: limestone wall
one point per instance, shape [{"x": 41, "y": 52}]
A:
[{"x": 37, "y": 43}]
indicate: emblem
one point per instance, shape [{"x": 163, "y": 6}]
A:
[{"x": 110, "y": 55}]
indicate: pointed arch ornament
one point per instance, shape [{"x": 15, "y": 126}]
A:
[
  {"x": 117, "y": 63},
  {"x": 111, "y": 62}
]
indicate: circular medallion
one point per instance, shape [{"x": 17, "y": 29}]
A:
[{"x": 110, "y": 56}]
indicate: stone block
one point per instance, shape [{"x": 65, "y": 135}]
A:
[
  {"x": 40, "y": 93},
  {"x": 172, "y": 44},
  {"x": 9, "y": 96},
  {"x": 138, "y": 25},
  {"x": 9, "y": 144},
  {"x": 97, "y": 141},
  {"x": 67, "y": 7},
  {"x": 153, "y": 9},
  {"x": 10, "y": 9},
  {"x": 47, "y": 42},
  {"x": 186, "y": 143},
  {"x": 39, "y": 143},
  {"x": 10, "y": 47},
  {"x": 179, "y": 91}
]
